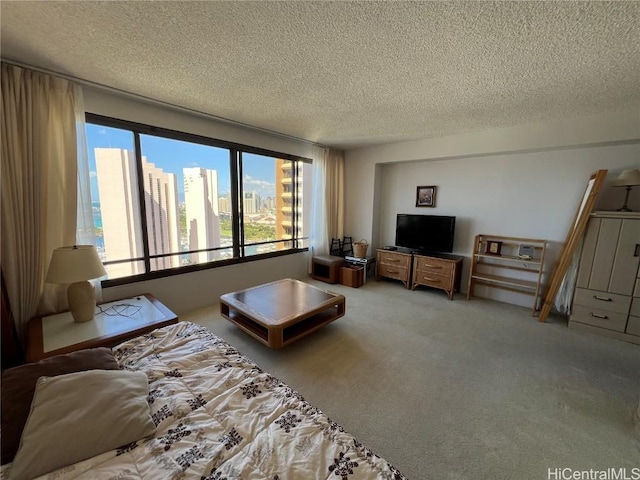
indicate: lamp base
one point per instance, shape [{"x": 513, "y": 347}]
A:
[
  {"x": 626, "y": 200},
  {"x": 82, "y": 301}
]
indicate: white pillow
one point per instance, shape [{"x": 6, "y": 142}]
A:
[{"x": 80, "y": 415}]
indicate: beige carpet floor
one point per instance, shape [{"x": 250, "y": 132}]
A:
[{"x": 460, "y": 389}]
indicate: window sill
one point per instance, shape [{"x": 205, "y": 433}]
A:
[{"x": 195, "y": 268}]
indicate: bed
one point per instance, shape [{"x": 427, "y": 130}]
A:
[{"x": 218, "y": 416}]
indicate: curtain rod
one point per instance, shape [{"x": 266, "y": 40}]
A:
[{"x": 135, "y": 96}]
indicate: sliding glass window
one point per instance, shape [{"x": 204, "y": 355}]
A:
[{"x": 167, "y": 202}]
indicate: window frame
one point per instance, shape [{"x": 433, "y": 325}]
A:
[{"x": 237, "y": 228}]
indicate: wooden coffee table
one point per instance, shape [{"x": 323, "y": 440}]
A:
[{"x": 281, "y": 312}]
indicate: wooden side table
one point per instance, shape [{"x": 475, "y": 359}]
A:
[
  {"x": 394, "y": 264},
  {"x": 441, "y": 271},
  {"x": 113, "y": 323}
]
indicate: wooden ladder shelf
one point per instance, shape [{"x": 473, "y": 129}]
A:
[{"x": 496, "y": 260}]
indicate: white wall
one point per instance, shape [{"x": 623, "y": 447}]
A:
[
  {"x": 522, "y": 181},
  {"x": 182, "y": 293}
]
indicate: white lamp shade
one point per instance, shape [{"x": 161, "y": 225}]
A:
[
  {"x": 628, "y": 178},
  {"x": 74, "y": 264}
]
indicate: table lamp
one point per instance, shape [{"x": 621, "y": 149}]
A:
[
  {"x": 628, "y": 179},
  {"x": 76, "y": 265}
]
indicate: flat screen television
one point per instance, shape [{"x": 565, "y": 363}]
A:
[{"x": 425, "y": 233}]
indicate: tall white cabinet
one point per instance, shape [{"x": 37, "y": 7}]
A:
[{"x": 607, "y": 297}]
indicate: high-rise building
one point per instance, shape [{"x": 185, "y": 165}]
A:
[
  {"x": 120, "y": 209},
  {"x": 203, "y": 221},
  {"x": 251, "y": 203},
  {"x": 161, "y": 199},
  {"x": 224, "y": 204},
  {"x": 270, "y": 204},
  {"x": 289, "y": 206}
]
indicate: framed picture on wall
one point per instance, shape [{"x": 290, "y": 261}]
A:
[{"x": 426, "y": 196}]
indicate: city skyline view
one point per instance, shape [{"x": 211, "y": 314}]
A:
[
  {"x": 167, "y": 153},
  {"x": 187, "y": 206}
]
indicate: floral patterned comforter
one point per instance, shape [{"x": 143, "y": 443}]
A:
[{"x": 219, "y": 416}]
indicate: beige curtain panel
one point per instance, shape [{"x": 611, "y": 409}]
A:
[
  {"x": 39, "y": 183},
  {"x": 334, "y": 188},
  {"x": 328, "y": 199}
]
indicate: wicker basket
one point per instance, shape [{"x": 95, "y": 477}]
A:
[{"x": 360, "y": 249}]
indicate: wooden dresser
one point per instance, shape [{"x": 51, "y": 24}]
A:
[
  {"x": 392, "y": 264},
  {"x": 441, "y": 272},
  {"x": 607, "y": 296}
]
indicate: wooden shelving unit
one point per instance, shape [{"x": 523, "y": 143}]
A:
[{"x": 496, "y": 269}]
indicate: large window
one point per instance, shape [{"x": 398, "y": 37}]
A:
[{"x": 165, "y": 202}]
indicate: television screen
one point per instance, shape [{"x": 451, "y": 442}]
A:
[{"x": 425, "y": 233}]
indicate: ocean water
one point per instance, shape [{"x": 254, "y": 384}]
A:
[
  {"x": 97, "y": 222},
  {"x": 97, "y": 219}
]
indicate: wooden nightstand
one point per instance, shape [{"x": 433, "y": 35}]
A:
[
  {"x": 441, "y": 271},
  {"x": 115, "y": 322},
  {"x": 393, "y": 264}
]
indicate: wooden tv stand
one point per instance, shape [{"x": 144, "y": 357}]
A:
[
  {"x": 441, "y": 271},
  {"x": 394, "y": 264}
]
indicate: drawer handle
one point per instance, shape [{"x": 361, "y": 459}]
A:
[
  {"x": 434, "y": 280},
  {"x": 435, "y": 267},
  {"x": 603, "y": 317},
  {"x": 604, "y": 299},
  {"x": 392, "y": 271},
  {"x": 393, "y": 259},
  {"x": 636, "y": 252}
]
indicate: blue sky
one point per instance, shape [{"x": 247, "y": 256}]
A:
[{"x": 173, "y": 155}]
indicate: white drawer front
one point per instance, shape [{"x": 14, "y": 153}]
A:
[
  {"x": 599, "y": 318},
  {"x": 633, "y": 327},
  {"x": 610, "y": 302}
]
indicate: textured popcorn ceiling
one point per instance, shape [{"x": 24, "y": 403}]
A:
[{"x": 345, "y": 74}]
